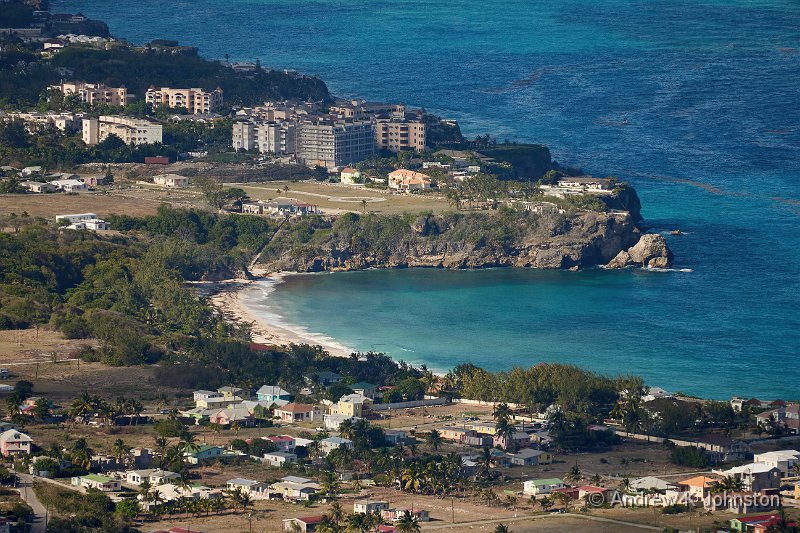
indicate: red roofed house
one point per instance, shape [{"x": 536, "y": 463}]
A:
[
  {"x": 757, "y": 524},
  {"x": 297, "y": 412},
  {"x": 284, "y": 443},
  {"x": 305, "y": 523}
]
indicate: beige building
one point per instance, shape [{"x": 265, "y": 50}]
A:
[
  {"x": 198, "y": 101},
  {"x": 266, "y": 137},
  {"x": 94, "y": 93},
  {"x": 397, "y": 135},
  {"x": 407, "y": 180},
  {"x": 333, "y": 144},
  {"x": 131, "y": 130}
]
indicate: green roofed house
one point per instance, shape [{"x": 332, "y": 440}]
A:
[
  {"x": 203, "y": 453},
  {"x": 94, "y": 481},
  {"x": 534, "y": 487},
  {"x": 365, "y": 389}
]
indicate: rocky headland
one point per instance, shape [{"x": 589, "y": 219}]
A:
[{"x": 465, "y": 241}]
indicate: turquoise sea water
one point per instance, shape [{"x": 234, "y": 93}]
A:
[{"x": 711, "y": 90}]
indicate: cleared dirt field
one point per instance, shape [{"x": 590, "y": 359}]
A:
[
  {"x": 336, "y": 198},
  {"x": 35, "y": 345},
  {"x": 134, "y": 201}
]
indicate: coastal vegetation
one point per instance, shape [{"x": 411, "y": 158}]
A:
[{"x": 25, "y": 76}]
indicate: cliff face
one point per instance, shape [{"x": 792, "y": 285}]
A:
[{"x": 458, "y": 242}]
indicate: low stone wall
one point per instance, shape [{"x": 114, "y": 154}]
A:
[{"x": 408, "y": 405}]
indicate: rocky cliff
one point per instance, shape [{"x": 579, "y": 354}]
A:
[{"x": 459, "y": 241}]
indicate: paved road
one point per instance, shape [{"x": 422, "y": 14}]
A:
[{"x": 26, "y": 491}]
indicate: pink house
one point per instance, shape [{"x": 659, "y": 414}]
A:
[
  {"x": 297, "y": 412},
  {"x": 13, "y": 442}
]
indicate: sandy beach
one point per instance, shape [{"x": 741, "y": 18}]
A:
[{"x": 228, "y": 300}]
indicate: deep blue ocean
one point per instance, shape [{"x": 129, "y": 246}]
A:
[{"x": 711, "y": 92}]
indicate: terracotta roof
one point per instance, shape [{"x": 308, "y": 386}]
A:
[
  {"x": 297, "y": 408},
  {"x": 699, "y": 481}
]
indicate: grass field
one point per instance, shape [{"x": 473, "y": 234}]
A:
[{"x": 335, "y": 198}]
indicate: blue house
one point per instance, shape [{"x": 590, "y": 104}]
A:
[{"x": 271, "y": 393}]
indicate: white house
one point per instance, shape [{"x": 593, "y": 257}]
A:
[
  {"x": 534, "y": 487},
  {"x": 39, "y": 187},
  {"x": 349, "y": 175},
  {"x": 171, "y": 180},
  {"x": 333, "y": 422},
  {"x": 783, "y": 460},
  {"x": 247, "y": 486},
  {"x": 365, "y": 506},
  {"x": 70, "y": 185},
  {"x": 334, "y": 443},
  {"x": 278, "y": 459},
  {"x": 90, "y": 224},
  {"x": 155, "y": 476},
  {"x": 94, "y": 481}
]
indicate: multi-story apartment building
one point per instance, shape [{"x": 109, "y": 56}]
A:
[
  {"x": 198, "y": 101},
  {"x": 131, "y": 130},
  {"x": 93, "y": 93},
  {"x": 399, "y": 134},
  {"x": 334, "y": 143},
  {"x": 266, "y": 137},
  {"x": 361, "y": 109},
  {"x": 63, "y": 121}
]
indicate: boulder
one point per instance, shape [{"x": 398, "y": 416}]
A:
[
  {"x": 622, "y": 260},
  {"x": 651, "y": 251}
]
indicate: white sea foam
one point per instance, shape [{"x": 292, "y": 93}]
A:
[{"x": 257, "y": 299}]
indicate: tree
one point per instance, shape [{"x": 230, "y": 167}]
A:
[
  {"x": 120, "y": 450},
  {"x": 502, "y": 528},
  {"x": 213, "y": 191},
  {"x": 434, "y": 439},
  {"x": 546, "y": 502},
  {"x": 574, "y": 474},
  {"x": 408, "y": 523},
  {"x": 128, "y": 508},
  {"x": 81, "y": 454}
]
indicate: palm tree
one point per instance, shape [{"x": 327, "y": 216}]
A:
[
  {"x": 358, "y": 523},
  {"x": 595, "y": 479},
  {"x": 119, "y": 450},
  {"x": 336, "y": 513},
  {"x": 329, "y": 484},
  {"x": 346, "y": 429},
  {"x": 485, "y": 462},
  {"x": 434, "y": 439},
  {"x": 188, "y": 443},
  {"x": 408, "y": 524},
  {"x": 574, "y": 474},
  {"x": 81, "y": 454},
  {"x": 505, "y": 431},
  {"x": 411, "y": 479},
  {"x": 626, "y": 485},
  {"x": 502, "y": 412},
  {"x": 502, "y": 528}
]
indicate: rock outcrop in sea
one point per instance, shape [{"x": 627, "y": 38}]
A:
[
  {"x": 651, "y": 252},
  {"x": 470, "y": 241}
]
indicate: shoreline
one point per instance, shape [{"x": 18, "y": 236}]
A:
[{"x": 267, "y": 328}]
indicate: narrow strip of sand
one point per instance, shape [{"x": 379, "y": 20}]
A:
[{"x": 264, "y": 329}]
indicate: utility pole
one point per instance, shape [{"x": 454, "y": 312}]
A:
[{"x": 452, "y": 510}]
